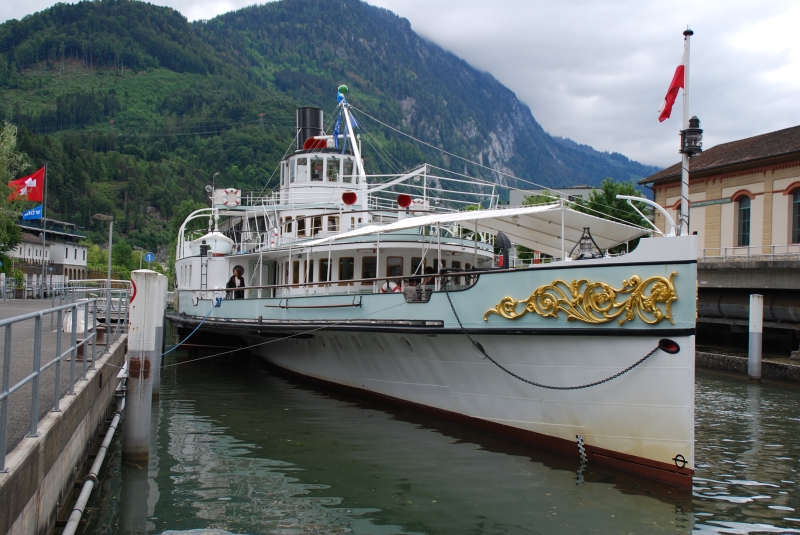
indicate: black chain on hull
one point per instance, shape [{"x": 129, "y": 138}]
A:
[{"x": 534, "y": 383}]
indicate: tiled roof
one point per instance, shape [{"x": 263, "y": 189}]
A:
[{"x": 750, "y": 150}]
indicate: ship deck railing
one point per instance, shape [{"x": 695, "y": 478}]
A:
[{"x": 448, "y": 279}]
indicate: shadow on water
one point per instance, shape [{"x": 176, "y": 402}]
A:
[{"x": 239, "y": 448}]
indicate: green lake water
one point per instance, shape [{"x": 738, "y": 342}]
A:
[{"x": 240, "y": 449}]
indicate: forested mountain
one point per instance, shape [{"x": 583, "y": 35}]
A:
[{"x": 135, "y": 109}]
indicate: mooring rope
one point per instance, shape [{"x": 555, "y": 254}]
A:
[
  {"x": 534, "y": 383},
  {"x": 173, "y": 348}
]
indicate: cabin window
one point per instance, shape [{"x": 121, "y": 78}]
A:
[
  {"x": 316, "y": 169},
  {"x": 743, "y": 208},
  {"x": 347, "y": 170},
  {"x": 316, "y": 225},
  {"x": 352, "y": 222},
  {"x": 796, "y": 216},
  {"x": 436, "y": 265},
  {"x": 292, "y": 170},
  {"x": 301, "y": 226},
  {"x": 369, "y": 266},
  {"x": 296, "y": 272},
  {"x": 394, "y": 266},
  {"x": 332, "y": 169},
  {"x": 302, "y": 169},
  {"x": 417, "y": 267},
  {"x": 333, "y": 223},
  {"x": 288, "y": 222},
  {"x": 467, "y": 266},
  {"x": 455, "y": 264},
  {"x": 309, "y": 271},
  {"x": 323, "y": 270},
  {"x": 286, "y": 273},
  {"x": 346, "y": 268}
]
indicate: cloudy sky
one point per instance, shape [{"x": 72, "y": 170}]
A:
[{"x": 597, "y": 72}]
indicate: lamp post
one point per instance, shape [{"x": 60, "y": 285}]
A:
[
  {"x": 110, "y": 219},
  {"x": 141, "y": 253}
]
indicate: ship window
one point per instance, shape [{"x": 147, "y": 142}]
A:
[
  {"x": 332, "y": 169},
  {"x": 84, "y": 254},
  {"x": 309, "y": 271},
  {"x": 292, "y": 170},
  {"x": 316, "y": 169},
  {"x": 75, "y": 255},
  {"x": 346, "y": 268},
  {"x": 796, "y": 216},
  {"x": 369, "y": 265},
  {"x": 455, "y": 264},
  {"x": 296, "y": 272},
  {"x": 286, "y": 273},
  {"x": 436, "y": 265},
  {"x": 333, "y": 223},
  {"x": 416, "y": 268},
  {"x": 323, "y": 270},
  {"x": 302, "y": 169},
  {"x": 467, "y": 266},
  {"x": 288, "y": 222},
  {"x": 316, "y": 225},
  {"x": 352, "y": 222},
  {"x": 743, "y": 233},
  {"x": 301, "y": 226},
  {"x": 394, "y": 266},
  {"x": 347, "y": 170}
]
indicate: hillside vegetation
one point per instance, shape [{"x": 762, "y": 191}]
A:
[{"x": 135, "y": 109}]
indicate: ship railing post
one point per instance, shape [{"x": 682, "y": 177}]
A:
[{"x": 756, "y": 334}]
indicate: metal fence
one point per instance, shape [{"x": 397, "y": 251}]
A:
[
  {"x": 789, "y": 251},
  {"x": 80, "y": 314}
]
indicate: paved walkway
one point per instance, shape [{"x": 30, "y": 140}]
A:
[{"x": 19, "y": 414}]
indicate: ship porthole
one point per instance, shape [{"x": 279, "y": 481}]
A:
[{"x": 408, "y": 344}]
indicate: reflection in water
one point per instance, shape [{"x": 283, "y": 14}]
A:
[
  {"x": 241, "y": 450},
  {"x": 747, "y": 454}
]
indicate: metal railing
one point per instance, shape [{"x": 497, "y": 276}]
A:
[
  {"x": 9, "y": 289},
  {"x": 789, "y": 251},
  {"x": 83, "y": 311}
]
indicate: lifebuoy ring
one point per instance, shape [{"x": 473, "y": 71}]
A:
[
  {"x": 390, "y": 286},
  {"x": 231, "y": 197}
]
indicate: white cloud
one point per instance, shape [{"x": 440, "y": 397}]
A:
[{"x": 597, "y": 71}]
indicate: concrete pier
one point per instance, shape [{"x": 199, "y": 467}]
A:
[{"x": 144, "y": 351}]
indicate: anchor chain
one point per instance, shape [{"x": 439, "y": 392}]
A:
[{"x": 479, "y": 347}]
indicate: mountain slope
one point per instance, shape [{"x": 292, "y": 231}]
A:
[{"x": 135, "y": 109}]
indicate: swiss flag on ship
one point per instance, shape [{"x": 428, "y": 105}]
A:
[
  {"x": 672, "y": 92},
  {"x": 31, "y": 187}
]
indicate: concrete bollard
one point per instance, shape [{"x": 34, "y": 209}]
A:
[
  {"x": 159, "y": 337},
  {"x": 142, "y": 350},
  {"x": 756, "y": 330}
]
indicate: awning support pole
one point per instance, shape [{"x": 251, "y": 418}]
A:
[{"x": 562, "y": 229}]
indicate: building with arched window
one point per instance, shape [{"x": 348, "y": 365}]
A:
[{"x": 744, "y": 196}]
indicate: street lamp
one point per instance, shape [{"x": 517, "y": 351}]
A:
[
  {"x": 110, "y": 219},
  {"x": 141, "y": 253}
]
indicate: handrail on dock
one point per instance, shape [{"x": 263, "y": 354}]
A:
[{"x": 84, "y": 306}]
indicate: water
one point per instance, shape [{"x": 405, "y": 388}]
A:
[{"x": 238, "y": 449}]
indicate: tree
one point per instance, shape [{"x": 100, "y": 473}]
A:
[
  {"x": 12, "y": 162},
  {"x": 603, "y": 203}
]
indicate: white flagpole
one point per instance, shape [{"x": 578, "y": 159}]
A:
[
  {"x": 44, "y": 231},
  {"x": 684, "y": 219}
]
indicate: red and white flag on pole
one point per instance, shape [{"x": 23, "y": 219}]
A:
[
  {"x": 672, "y": 92},
  {"x": 30, "y": 187}
]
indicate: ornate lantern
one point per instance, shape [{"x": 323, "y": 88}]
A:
[{"x": 692, "y": 138}]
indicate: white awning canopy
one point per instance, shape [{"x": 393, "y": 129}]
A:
[{"x": 536, "y": 227}]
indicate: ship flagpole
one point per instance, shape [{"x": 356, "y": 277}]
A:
[{"x": 684, "y": 219}]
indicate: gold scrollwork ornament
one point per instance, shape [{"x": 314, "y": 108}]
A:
[{"x": 596, "y": 302}]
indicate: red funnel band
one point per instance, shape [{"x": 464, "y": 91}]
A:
[
  {"x": 349, "y": 198},
  {"x": 403, "y": 200},
  {"x": 312, "y": 143}
]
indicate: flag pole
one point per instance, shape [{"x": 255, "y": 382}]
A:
[
  {"x": 44, "y": 230},
  {"x": 684, "y": 219}
]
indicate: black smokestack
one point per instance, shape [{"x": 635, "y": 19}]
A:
[{"x": 309, "y": 124}]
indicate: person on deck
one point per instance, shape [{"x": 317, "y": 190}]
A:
[{"x": 236, "y": 281}]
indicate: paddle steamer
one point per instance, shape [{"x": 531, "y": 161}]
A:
[{"x": 405, "y": 287}]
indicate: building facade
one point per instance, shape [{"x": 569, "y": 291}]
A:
[
  {"x": 571, "y": 193},
  {"x": 744, "y": 195},
  {"x": 63, "y": 253}
]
